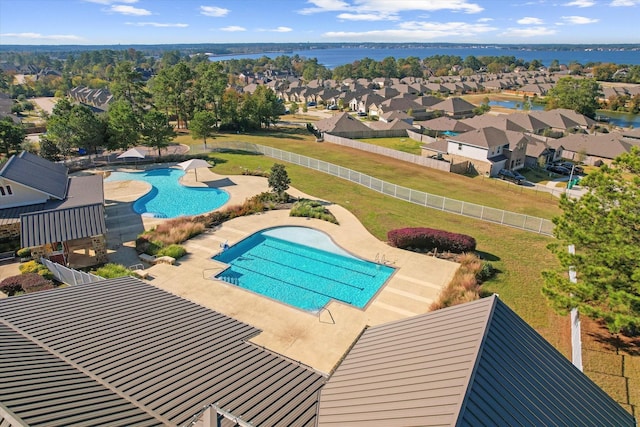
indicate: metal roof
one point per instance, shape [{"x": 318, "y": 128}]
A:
[
  {"x": 37, "y": 173},
  {"x": 61, "y": 225},
  {"x": 474, "y": 364},
  {"x": 166, "y": 355}
]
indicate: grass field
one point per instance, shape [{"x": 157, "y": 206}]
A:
[
  {"x": 404, "y": 144},
  {"x": 519, "y": 256}
]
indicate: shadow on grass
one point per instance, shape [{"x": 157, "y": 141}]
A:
[
  {"x": 486, "y": 256},
  {"x": 615, "y": 342}
]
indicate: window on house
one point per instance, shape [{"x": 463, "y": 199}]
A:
[
  {"x": 459, "y": 146},
  {"x": 9, "y": 189},
  {"x": 2, "y": 191}
]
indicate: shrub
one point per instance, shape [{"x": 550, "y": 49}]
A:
[
  {"x": 174, "y": 251},
  {"x": 429, "y": 239},
  {"x": 24, "y": 252},
  {"x": 27, "y": 283},
  {"x": 112, "y": 271},
  {"x": 312, "y": 209},
  {"x": 11, "y": 285},
  {"x": 35, "y": 267},
  {"x": 32, "y": 282},
  {"x": 487, "y": 271},
  {"x": 465, "y": 285}
]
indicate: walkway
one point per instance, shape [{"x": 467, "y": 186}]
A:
[{"x": 318, "y": 341}]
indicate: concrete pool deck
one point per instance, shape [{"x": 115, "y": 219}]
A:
[{"x": 317, "y": 340}]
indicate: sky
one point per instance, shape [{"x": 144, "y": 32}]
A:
[{"x": 109, "y": 22}]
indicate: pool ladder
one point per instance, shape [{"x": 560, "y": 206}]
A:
[{"x": 381, "y": 259}]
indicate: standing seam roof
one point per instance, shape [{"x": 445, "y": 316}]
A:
[
  {"x": 61, "y": 225},
  {"x": 165, "y": 354}
]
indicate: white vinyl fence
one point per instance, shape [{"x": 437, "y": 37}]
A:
[
  {"x": 69, "y": 275},
  {"x": 485, "y": 213}
]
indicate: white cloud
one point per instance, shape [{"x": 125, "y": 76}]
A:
[
  {"x": 579, "y": 20},
  {"x": 581, "y": 3},
  {"x": 528, "y": 32},
  {"x": 389, "y": 7},
  {"x": 485, "y": 19},
  {"x": 529, "y": 21},
  {"x": 233, "y": 28},
  {"x": 38, "y": 36},
  {"x": 325, "y": 6},
  {"x": 216, "y": 12},
  {"x": 367, "y": 17},
  {"x": 107, "y": 2},
  {"x": 128, "y": 10},
  {"x": 157, "y": 24},
  {"x": 279, "y": 30},
  {"x": 416, "y": 31},
  {"x": 625, "y": 3}
]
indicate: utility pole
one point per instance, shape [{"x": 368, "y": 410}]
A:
[{"x": 576, "y": 339}]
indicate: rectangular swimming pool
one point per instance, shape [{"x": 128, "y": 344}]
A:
[{"x": 303, "y": 276}]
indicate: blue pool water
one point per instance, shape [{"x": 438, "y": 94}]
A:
[
  {"x": 301, "y": 267},
  {"x": 168, "y": 198}
]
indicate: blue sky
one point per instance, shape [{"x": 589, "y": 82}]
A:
[{"x": 247, "y": 21}]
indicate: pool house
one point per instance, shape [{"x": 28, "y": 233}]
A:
[{"x": 57, "y": 216}]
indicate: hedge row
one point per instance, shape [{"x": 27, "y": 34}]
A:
[{"x": 428, "y": 239}]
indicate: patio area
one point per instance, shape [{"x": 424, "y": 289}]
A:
[{"x": 317, "y": 340}]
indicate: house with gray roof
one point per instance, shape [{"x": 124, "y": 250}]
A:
[
  {"x": 52, "y": 213},
  {"x": 488, "y": 149},
  {"x": 476, "y": 364}
]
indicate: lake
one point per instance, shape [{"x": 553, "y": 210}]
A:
[
  {"x": 619, "y": 119},
  {"x": 333, "y": 57}
]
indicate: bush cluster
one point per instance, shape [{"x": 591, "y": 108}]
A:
[
  {"x": 428, "y": 239},
  {"x": 174, "y": 251},
  {"x": 256, "y": 204},
  {"x": 112, "y": 271},
  {"x": 37, "y": 268},
  {"x": 27, "y": 283},
  {"x": 312, "y": 209},
  {"x": 466, "y": 283},
  {"x": 171, "y": 232}
]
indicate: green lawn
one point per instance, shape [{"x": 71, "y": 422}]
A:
[
  {"x": 519, "y": 256},
  {"x": 404, "y": 144}
]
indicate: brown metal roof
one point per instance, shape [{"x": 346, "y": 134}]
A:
[
  {"x": 61, "y": 225},
  {"x": 469, "y": 365},
  {"x": 165, "y": 355}
]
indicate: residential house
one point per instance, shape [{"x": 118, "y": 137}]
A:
[
  {"x": 540, "y": 152},
  {"x": 342, "y": 124},
  {"x": 475, "y": 364},
  {"x": 393, "y": 115},
  {"x": 489, "y": 149},
  {"x": 455, "y": 107},
  {"x": 594, "y": 149},
  {"x": 57, "y": 216},
  {"x": 399, "y": 104}
]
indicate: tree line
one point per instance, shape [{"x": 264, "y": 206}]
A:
[{"x": 193, "y": 96}]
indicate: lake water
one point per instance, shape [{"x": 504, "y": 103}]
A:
[
  {"x": 619, "y": 119},
  {"x": 333, "y": 57}
]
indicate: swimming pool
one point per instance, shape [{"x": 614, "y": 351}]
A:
[
  {"x": 168, "y": 198},
  {"x": 301, "y": 267}
]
